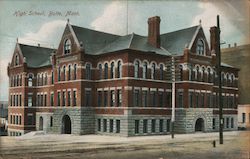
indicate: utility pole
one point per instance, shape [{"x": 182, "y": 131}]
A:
[
  {"x": 219, "y": 81},
  {"x": 173, "y": 96}
]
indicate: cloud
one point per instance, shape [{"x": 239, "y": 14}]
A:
[
  {"x": 112, "y": 19},
  {"x": 47, "y": 35}
]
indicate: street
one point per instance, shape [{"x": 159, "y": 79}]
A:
[{"x": 183, "y": 146}]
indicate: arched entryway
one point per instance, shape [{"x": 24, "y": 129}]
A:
[
  {"x": 41, "y": 123},
  {"x": 199, "y": 125},
  {"x": 66, "y": 125}
]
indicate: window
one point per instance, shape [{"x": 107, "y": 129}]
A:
[
  {"x": 213, "y": 123},
  {"x": 112, "y": 98},
  {"x": 45, "y": 100},
  {"x": 119, "y": 69},
  {"x": 87, "y": 97},
  {"x": 137, "y": 126},
  {"x": 136, "y": 98},
  {"x": 30, "y": 119},
  {"x": 243, "y": 117},
  {"x": 69, "y": 98},
  {"x": 64, "y": 98},
  {"x": 99, "y": 101},
  {"x": 144, "y": 70},
  {"x": 59, "y": 74},
  {"x": 67, "y": 46},
  {"x": 111, "y": 123},
  {"x": 99, "y": 125},
  {"x": 30, "y": 80},
  {"x": 51, "y": 121},
  {"x": 64, "y": 73},
  {"x": 106, "y": 71},
  {"x": 161, "y": 125},
  {"x": 104, "y": 125},
  {"x": 112, "y": 70},
  {"x": 153, "y": 99},
  {"x": 137, "y": 65},
  {"x": 58, "y": 98},
  {"x": 227, "y": 122},
  {"x": 29, "y": 100},
  {"x": 45, "y": 79},
  {"x": 181, "y": 72},
  {"x": 52, "y": 99},
  {"x": 74, "y": 98},
  {"x": 160, "y": 99},
  {"x": 20, "y": 120},
  {"x": 153, "y": 71},
  {"x": 16, "y": 60},
  {"x": 100, "y": 71},
  {"x": 190, "y": 99},
  {"x": 145, "y": 125},
  {"x": 88, "y": 71},
  {"x": 41, "y": 100},
  {"x": 209, "y": 75},
  {"x": 200, "y": 48},
  {"x": 232, "y": 122},
  {"x": 202, "y": 100},
  {"x": 161, "y": 72},
  {"x": 168, "y": 125},
  {"x": 144, "y": 98},
  {"x": 75, "y": 71},
  {"x": 153, "y": 125},
  {"x": 20, "y": 100},
  {"x": 69, "y": 73},
  {"x": 118, "y": 126},
  {"x": 197, "y": 99},
  {"x": 119, "y": 97},
  {"x": 105, "y": 98},
  {"x": 52, "y": 77},
  {"x": 180, "y": 99}
]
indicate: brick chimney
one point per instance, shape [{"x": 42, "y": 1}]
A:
[
  {"x": 154, "y": 31},
  {"x": 213, "y": 38}
]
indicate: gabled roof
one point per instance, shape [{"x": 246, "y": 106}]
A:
[
  {"x": 133, "y": 42},
  {"x": 93, "y": 40},
  {"x": 176, "y": 41},
  {"x": 36, "y": 56}
]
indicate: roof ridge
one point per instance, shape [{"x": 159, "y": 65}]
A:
[
  {"x": 180, "y": 30},
  {"x": 42, "y": 47}
]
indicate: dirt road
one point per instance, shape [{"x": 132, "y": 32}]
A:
[{"x": 186, "y": 146}]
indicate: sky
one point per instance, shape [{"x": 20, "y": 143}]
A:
[{"x": 43, "y": 21}]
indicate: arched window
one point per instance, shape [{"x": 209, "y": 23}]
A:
[
  {"x": 137, "y": 65},
  {"x": 106, "y": 71},
  {"x": 59, "y": 74},
  {"x": 69, "y": 73},
  {"x": 197, "y": 73},
  {"x": 161, "y": 72},
  {"x": 200, "y": 48},
  {"x": 41, "y": 79},
  {"x": 75, "y": 71},
  {"x": 16, "y": 60},
  {"x": 153, "y": 71},
  {"x": 112, "y": 70},
  {"x": 203, "y": 74},
  {"x": 100, "y": 71},
  {"x": 227, "y": 80},
  {"x": 64, "y": 73},
  {"x": 181, "y": 72},
  {"x": 144, "y": 70},
  {"x": 52, "y": 77},
  {"x": 119, "y": 69},
  {"x": 208, "y": 75},
  {"x": 222, "y": 78},
  {"x": 30, "y": 82},
  {"x": 67, "y": 46},
  {"x": 88, "y": 71},
  {"x": 45, "y": 79}
]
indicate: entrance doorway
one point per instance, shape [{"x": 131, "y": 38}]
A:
[
  {"x": 41, "y": 123},
  {"x": 66, "y": 125},
  {"x": 199, "y": 125}
]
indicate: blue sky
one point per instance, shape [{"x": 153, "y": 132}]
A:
[{"x": 111, "y": 16}]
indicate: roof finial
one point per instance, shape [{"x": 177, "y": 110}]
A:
[
  {"x": 17, "y": 40},
  {"x": 68, "y": 20},
  {"x": 200, "y": 22}
]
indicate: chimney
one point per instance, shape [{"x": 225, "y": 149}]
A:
[
  {"x": 154, "y": 31},
  {"x": 229, "y": 45},
  {"x": 213, "y": 38},
  {"x": 235, "y": 44},
  {"x": 38, "y": 45}
]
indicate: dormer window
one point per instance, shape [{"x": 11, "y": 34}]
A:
[
  {"x": 16, "y": 60},
  {"x": 200, "y": 48},
  {"x": 67, "y": 46}
]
